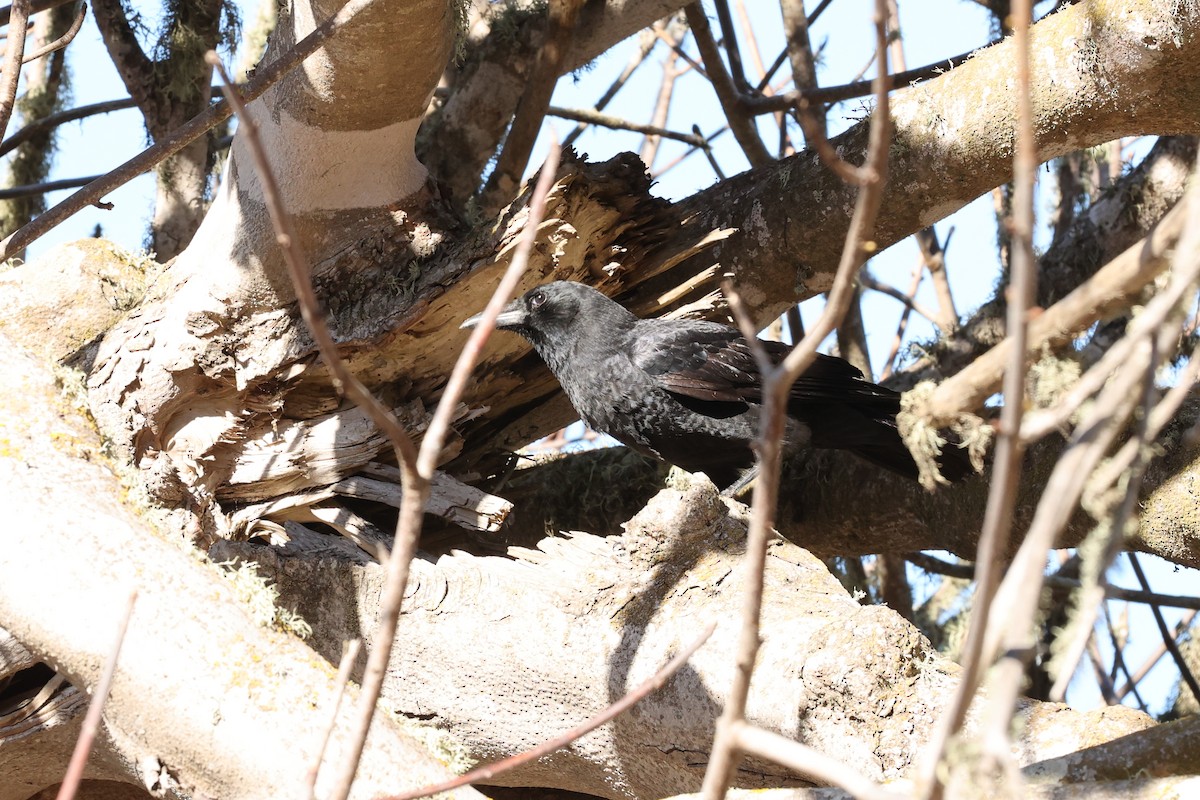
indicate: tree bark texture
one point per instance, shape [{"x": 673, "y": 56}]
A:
[
  {"x": 856, "y": 681},
  {"x": 205, "y": 701}
]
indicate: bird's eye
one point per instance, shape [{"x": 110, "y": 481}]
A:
[{"x": 537, "y": 300}]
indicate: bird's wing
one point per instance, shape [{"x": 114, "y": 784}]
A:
[
  {"x": 712, "y": 362},
  {"x": 701, "y": 360}
]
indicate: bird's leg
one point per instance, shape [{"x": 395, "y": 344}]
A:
[{"x": 739, "y": 489}]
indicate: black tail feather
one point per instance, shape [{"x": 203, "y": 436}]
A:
[{"x": 953, "y": 462}]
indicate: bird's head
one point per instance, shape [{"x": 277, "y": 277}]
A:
[{"x": 556, "y": 314}]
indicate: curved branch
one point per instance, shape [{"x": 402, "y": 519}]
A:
[
  {"x": 61, "y": 41},
  {"x": 133, "y": 65},
  {"x": 14, "y": 50},
  {"x": 946, "y": 152}
]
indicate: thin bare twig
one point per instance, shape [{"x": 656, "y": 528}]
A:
[
  {"x": 934, "y": 258},
  {"x": 415, "y": 487},
  {"x": 859, "y": 244},
  {"x": 848, "y": 91},
  {"x": 1185, "y": 673},
  {"x": 662, "y": 107},
  {"x": 91, "y": 722},
  {"x": 1119, "y": 664},
  {"x": 349, "y": 654},
  {"x": 938, "y": 566},
  {"x": 31, "y": 189},
  {"x": 902, "y": 324},
  {"x": 645, "y": 46},
  {"x": 740, "y": 123},
  {"x": 415, "y": 476},
  {"x": 62, "y": 41},
  {"x": 593, "y": 117},
  {"x": 196, "y": 127},
  {"x": 807, "y": 761},
  {"x": 997, "y": 520},
  {"x": 14, "y": 51},
  {"x": 869, "y": 281},
  {"x": 416, "y": 467},
  {"x": 50, "y": 121},
  {"x": 776, "y": 385},
  {"x": 1153, "y": 658},
  {"x": 656, "y": 682},
  {"x": 751, "y": 41},
  {"x": 677, "y": 47}
]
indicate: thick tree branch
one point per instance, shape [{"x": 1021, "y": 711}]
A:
[
  {"x": 234, "y": 686},
  {"x": 133, "y": 65},
  {"x": 945, "y": 152},
  {"x": 855, "y": 682}
]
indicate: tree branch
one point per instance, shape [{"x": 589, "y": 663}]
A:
[
  {"x": 740, "y": 122},
  {"x": 14, "y": 51},
  {"x": 133, "y": 65}
]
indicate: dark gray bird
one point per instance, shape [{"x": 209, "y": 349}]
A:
[{"x": 688, "y": 392}]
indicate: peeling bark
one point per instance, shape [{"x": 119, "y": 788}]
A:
[{"x": 205, "y": 702}]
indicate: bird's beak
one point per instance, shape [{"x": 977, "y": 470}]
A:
[{"x": 513, "y": 316}]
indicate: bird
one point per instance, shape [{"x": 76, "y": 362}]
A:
[{"x": 688, "y": 392}]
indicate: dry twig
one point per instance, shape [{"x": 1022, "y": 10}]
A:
[
  {"x": 588, "y": 116},
  {"x": 91, "y": 722},
  {"x": 14, "y": 51},
  {"x": 662, "y": 106},
  {"x": 997, "y": 520},
  {"x": 416, "y": 466},
  {"x": 62, "y": 41},
  {"x": 645, "y": 46},
  {"x": 1185, "y": 672},
  {"x": 938, "y": 566},
  {"x": 776, "y": 385},
  {"x": 349, "y": 654}
]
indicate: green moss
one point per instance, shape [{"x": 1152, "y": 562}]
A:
[{"x": 261, "y": 599}]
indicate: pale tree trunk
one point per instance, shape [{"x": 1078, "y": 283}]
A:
[{"x": 179, "y": 199}]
